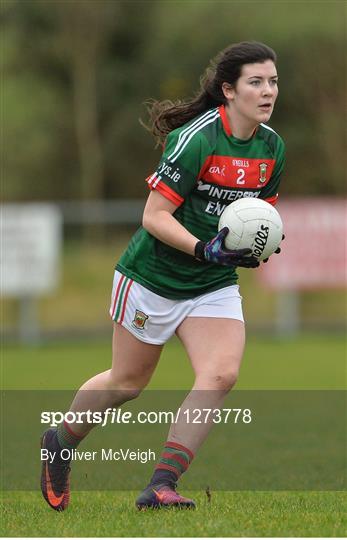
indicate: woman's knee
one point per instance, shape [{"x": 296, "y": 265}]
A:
[
  {"x": 222, "y": 380},
  {"x": 227, "y": 380},
  {"x": 126, "y": 387},
  {"x": 120, "y": 393},
  {"x": 131, "y": 393}
]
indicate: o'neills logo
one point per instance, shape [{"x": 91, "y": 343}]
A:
[
  {"x": 139, "y": 320},
  {"x": 260, "y": 240},
  {"x": 262, "y": 172}
]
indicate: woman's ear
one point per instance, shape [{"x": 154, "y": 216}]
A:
[{"x": 228, "y": 91}]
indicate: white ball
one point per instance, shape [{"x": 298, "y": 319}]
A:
[{"x": 253, "y": 223}]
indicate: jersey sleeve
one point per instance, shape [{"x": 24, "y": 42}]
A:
[
  {"x": 179, "y": 167},
  {"x": 270, "y": 192}
]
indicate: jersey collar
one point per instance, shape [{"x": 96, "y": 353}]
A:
[{"x": 225, "y": 122}]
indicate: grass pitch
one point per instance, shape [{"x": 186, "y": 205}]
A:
[
  {"x": 243, "y": 514},
  {"x": 311, "y": 362}
]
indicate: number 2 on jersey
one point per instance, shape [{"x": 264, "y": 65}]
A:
[{"x": 239, "y": 179}]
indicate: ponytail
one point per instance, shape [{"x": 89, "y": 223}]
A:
[{"x": 165, "y": 116}]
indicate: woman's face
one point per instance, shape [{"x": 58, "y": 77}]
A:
[{"x": 254, "y": 95}]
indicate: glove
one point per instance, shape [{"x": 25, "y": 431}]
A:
[
  {"x": 278, "y": 250},
  {"x": 215, "y": 252}
]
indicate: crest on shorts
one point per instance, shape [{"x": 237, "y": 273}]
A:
[
  {"x": 262, "y": 172},
  {"x": 140, "y": 319}
]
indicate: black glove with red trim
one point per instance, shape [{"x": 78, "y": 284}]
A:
[{"x": 214, "y": 251}]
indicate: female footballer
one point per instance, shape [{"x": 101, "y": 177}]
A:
[{"x": 176, "y": 276}]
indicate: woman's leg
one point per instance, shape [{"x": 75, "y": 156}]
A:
[
  {"x": 133, "y": 363},
  {"x": 215, "y": 347}
]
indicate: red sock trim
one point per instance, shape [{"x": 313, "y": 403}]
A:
[
  {"x": 180, "y": 447},
  {"x": 67, "y": 427},
  {"x": 175, "y": 457}
]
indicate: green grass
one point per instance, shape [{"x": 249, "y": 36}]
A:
[
  {"x": 310, "y": 362},
  {"x": 243, "y": 514}
]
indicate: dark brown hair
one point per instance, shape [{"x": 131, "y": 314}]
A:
[{"x": 164, "y": 116}]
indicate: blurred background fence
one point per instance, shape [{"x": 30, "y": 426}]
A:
[
  {"x": 74, "y": 77},
  {"x": 303, "y": 289}
]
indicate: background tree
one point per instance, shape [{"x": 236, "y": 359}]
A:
[{"x": 75, "y": 75}]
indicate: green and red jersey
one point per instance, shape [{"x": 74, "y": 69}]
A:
[{"x": 202, "y": 170}]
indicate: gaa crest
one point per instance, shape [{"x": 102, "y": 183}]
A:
[
  {"x": 262, "y": 172},
  {"x": 139, "y": 320}
]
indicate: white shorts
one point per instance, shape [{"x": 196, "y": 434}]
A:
[{"x": 154, "y": 319}]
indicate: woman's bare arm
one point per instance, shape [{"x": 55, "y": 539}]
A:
[{"x": 159, "y": 221}]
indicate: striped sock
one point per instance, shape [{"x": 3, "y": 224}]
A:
[
  {"x": 174, "y": 460},
  {"x": 66, "y": 437}
]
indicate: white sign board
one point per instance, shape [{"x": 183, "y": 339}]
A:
[
  {"x": 314, "y": 250},
  {"x": 31, "y": 237}
]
